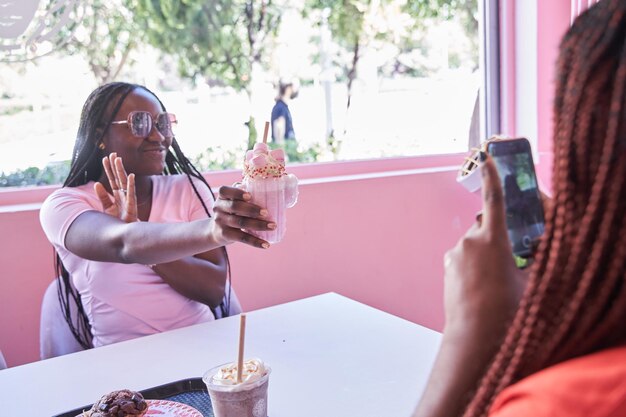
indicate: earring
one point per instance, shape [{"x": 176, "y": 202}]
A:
[{"x": 101, "y": 146}]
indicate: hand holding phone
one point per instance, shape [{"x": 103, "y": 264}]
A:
[
  {"x": 482, "y": 282},
  {"x": 523, "y": 205}
]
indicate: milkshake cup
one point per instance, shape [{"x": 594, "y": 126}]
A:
[
  {"x": 245, "y": 399},
  {"x": 264, "y": 177}
]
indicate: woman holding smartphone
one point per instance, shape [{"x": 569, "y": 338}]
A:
[
  {"x": 554, "y": 345},
  {"x": 136, "y": 228}
]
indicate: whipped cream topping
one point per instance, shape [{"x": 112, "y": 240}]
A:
[
  {"x": 253, "y": 370},
  {"x": 261, "y": 162}
]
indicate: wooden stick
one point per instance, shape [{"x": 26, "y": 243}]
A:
[
  {"x": 242, "y": 338},
  {"x": 267, "y": 129}
]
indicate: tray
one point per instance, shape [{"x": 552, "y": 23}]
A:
[{"x": 190, "y": 391}]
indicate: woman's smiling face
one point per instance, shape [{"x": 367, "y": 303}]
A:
[{"x": 142, "y": 156}]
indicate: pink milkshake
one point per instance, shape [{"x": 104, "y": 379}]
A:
[{"x": 264, "y": 177}]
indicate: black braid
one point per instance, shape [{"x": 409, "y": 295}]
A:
[
  {"x": 86, "y": 165},
  {"x": 178, "y": 162}
]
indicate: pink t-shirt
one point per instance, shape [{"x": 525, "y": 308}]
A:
[{"x": 125, "y": 301}]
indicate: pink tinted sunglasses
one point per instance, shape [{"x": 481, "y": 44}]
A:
[{"x": 140, "y": 123}]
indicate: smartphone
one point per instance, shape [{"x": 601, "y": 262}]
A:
[{"x": 524, "y": 208}]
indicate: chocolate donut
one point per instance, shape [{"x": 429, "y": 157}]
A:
[{"x": 120, "y": 403}]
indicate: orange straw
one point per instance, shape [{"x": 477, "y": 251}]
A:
[
  {"x": 267, "y": 129},
  {"x": 242, "y": 337}
]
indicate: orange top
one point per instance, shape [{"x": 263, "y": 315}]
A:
[{"x": 590, "y": 386}]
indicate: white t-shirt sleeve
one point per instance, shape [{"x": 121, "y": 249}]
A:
[{"x": 59, "y": 211}]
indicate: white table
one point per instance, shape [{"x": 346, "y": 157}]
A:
[{"x": 331, "y": 357}]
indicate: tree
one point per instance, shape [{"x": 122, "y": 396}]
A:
[
  {"x": 346, "y": 20},
  {"x": 221, "y": 41},
  {"x": 465, "y": 10},
  {"x": 106, "y": 37},
  {"x": 355, "y": 24}
]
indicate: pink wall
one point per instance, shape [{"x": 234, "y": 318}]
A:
[
  {"x": 11, "y": 196},
  {"x": 553, "y": 20},
  {"x": 26, "y": 259},
  {"x": 377, "y": 238}
]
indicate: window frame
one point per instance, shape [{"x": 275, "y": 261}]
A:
[
  {"x": 490, "y": 59},
  {"x": 490, "y": 122}
]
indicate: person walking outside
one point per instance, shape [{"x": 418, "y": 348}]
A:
[{"x": 282, "y": 123}]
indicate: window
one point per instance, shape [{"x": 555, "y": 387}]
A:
[{"x": 375, "y": 79}]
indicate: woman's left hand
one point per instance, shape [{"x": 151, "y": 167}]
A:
[{"x": 123, "y": 203}]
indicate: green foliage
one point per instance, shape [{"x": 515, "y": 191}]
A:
[
  {"x": 465, "y": 10},
  {"x": 524, "y": 167},
  {"x": 106, "y": 38},
  {"x": 216, "y": 159},
  {"x": 346, "y": 21},
  {"x": 298, "y": 153},
  {"x": 446, "y": 9},
  {"x": 212, "y": 159},
  {"x": 357, "y": 23},
  {"x": 345, "y": 18},
  {"x": 49, "y": 175},
  {"x": 252, "y": 132},
  {"x": 11, "y": 110},
  {"x": 521, "y": 262},
  {"x": 218, "y": 40}
]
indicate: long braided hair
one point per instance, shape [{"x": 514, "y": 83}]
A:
[
  {"x": 98, "y": 112},
  {"x": 575, "y": 301}
]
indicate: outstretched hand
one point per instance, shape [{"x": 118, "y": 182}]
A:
[
  {"x": 123, "y": 203},
  {"x": 235, "y": 216}
]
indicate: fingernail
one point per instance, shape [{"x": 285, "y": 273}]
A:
[
  {"x": 265, "y": 245},
  {"x": 263, "y": 212},
  {"x": 271, "y": 226},
  {"x": 482, "y": 156},
  {"x": 247, "y": 196}
]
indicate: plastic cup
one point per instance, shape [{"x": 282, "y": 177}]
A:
[
  {"x": 239, "y": 400},
  {"x": 276, "y": 195}
]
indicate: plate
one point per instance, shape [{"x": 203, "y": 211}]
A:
[{"x": 165, "y": 408}]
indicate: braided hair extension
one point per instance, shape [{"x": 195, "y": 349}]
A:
[
  {"x": 575, "y": 301},
  {"x": 176, "y": 163},
  {"x": 97, "y": 114}
]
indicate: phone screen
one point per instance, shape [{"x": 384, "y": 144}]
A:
[{"x": 524, "y": 209}]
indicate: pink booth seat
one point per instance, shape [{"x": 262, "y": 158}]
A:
[{"x": 55, "y": 337}]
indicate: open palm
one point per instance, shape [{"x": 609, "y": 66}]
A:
[{"x": 123, "y": 203}]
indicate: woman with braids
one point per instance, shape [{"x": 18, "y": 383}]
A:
[
  {"x": 144, "y": 250},
  {"x": 556, "y": 346}
]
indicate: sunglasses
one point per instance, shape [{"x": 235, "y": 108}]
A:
[{"x": 140, "y": 123}]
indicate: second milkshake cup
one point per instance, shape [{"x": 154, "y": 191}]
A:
[{"x": 245, "y": 399}]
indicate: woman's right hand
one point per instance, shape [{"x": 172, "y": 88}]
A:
[
  {"x": 123, "y": 202},
  {"x": 234, "y": 216},
  {"x": 482, "y": 284},
  {"x": 481, "y": 294}
]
